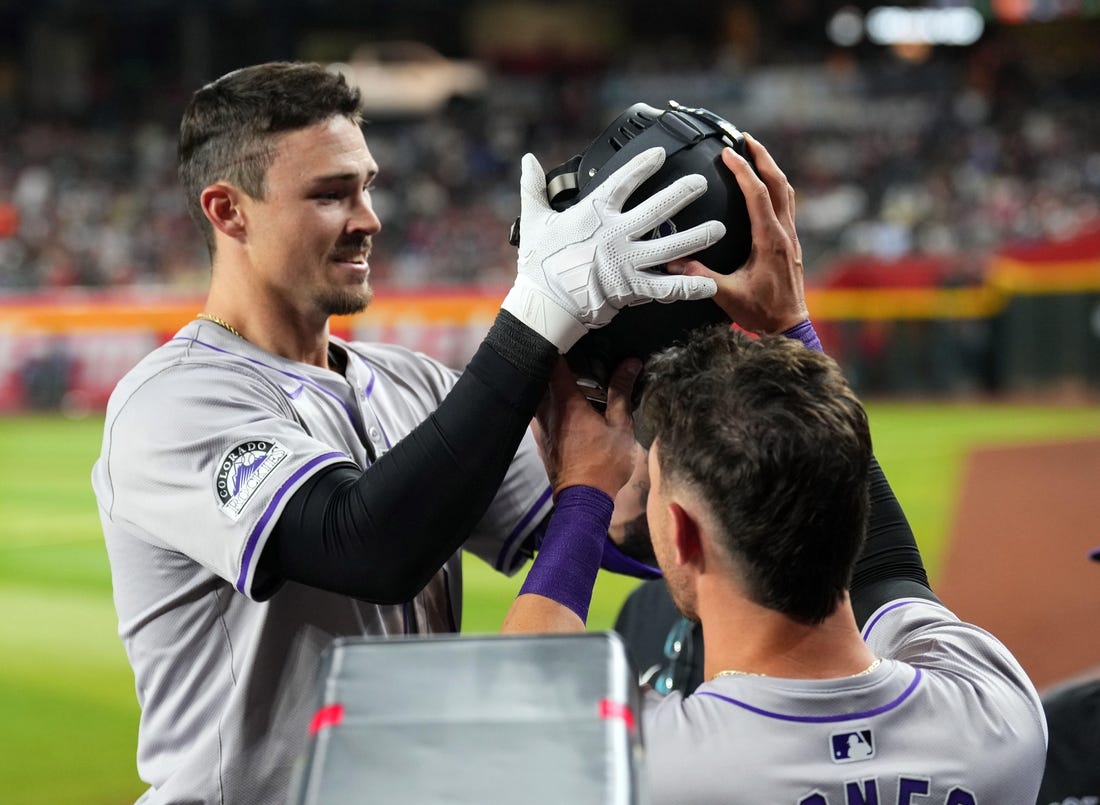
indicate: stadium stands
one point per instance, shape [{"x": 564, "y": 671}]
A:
[{"x": 952, "y": 158}]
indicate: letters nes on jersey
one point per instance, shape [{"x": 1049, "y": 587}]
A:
[
  {"x": 242, "y": 471},
  {"x": 910, "y": 791}
]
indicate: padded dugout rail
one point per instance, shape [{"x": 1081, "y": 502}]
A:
[{"x": 493, "y": 719}]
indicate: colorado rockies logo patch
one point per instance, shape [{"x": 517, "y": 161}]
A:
[{"x": 243, "y": 470}]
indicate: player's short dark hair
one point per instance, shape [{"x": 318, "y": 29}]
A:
[
  {"x": 771, "y": 436},
  {"x": 228, "y": 126}
]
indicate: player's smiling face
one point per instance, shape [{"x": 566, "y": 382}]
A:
[{"x": 309, "y": 238}]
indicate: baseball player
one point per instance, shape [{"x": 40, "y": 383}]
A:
[
  {"x": 832, "y": 674},
  {"x": 1072, "y": 708},
  {"x": 265, "y": 487}
]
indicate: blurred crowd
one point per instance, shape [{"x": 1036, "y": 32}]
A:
[{"x": 896, "y": 160}]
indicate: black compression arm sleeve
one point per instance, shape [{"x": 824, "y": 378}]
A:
[
  {"x": 889, "y": 566},
  {"x": 381, "y": 534}
]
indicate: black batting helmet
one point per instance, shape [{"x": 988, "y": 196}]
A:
[{"x": 693, "y": 140}]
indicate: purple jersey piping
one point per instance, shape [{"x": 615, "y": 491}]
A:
[
  {"x": 300, "y": 378},
  {"x": 871, "y": 624},
  {"x": 370, "y": 384},
  {"x": 821, "y": 719},
  {"x": 368, "y": 390},
  {"x": 506, "y": 549},
  {"x": 254, "y": 537}
]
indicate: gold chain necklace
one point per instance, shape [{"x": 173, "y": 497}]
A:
[
  {"x": 736, "y": 673},
  {"x": 864, "y": 672},
  {"x": 333, "y": 361},
  {"x": 220, "y": 323}
]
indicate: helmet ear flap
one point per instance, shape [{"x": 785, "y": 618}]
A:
[{"x": 693, "y": 140}]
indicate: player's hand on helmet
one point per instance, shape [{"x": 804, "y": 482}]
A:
[
  {"x": 765, "y": 295},
  {"x": 580, "y": 266},
  {"x": 580, "y": 445}
]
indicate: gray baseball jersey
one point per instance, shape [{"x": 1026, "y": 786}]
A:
[
  {"x": 204, "y": 442},
  {"x": 947, "y": 718}
]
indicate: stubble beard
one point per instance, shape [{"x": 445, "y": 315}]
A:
[
  {"x": 681, "y": 597},
  {"x": 344, "y": 301},
  {"x": 679, "y": 585}
]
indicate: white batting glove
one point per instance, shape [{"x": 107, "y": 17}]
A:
[{"x": 580, "y": 266}]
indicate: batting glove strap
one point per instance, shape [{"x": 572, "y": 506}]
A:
[
  {"x": 537, "y": 309},
  {"x": 529, "y": 352},
  {"x": 577, "y": 268}
]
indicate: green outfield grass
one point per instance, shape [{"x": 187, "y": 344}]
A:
[{"x": 66, "y": 692}]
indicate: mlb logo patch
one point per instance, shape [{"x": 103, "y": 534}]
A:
[{"x": 848, "y": 747}]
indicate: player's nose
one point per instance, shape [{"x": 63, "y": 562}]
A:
[{"x": 363, "y": 217}]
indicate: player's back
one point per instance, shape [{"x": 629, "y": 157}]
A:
[{"x": 951, "y": 720}]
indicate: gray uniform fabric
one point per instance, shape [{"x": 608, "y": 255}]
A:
[
  {"x": 204, "y": 442},
  {"x": 948, "y": 718}
]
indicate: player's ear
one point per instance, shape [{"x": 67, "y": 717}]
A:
[
  {"x": 685, "y": 535},
  {"x": 221, "y": 205}
]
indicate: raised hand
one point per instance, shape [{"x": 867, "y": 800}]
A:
[
  {"x": 766, "y": 294},
  {"x": 577, "y": 268},
  {"x": 578, "y": 444}
]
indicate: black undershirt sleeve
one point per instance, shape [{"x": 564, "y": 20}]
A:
[
  {"x": 889, "y": 565},
  {"x": 380, "y": 534}
]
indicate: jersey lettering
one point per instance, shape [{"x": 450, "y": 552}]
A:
[
  {"x": 960, "y": 796},
  {"x": 909, "y": 787},
  {"x": 865, "y": 792}
]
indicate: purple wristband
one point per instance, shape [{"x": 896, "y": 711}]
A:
[
  {"x": 568, "y": 560},
  {"x": 805, "y": 333},
  {"x": 618, "y": 562}
]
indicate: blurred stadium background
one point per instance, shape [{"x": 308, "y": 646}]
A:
[{"x": 946, "y": 157}]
